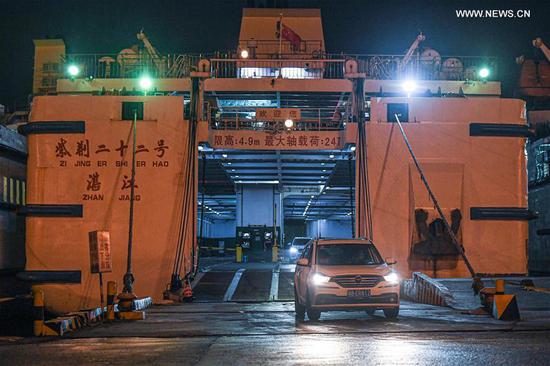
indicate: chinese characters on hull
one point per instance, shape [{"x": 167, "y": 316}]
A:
[
  {"x": 279, "y": 141},
  {"x": 83, "y": 153},
  {"x": 82, "y": 150}
]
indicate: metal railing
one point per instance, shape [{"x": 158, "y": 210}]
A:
[
  {"x": 132, "y": 65},
  {"x": 284, "y": 49},
  {"x": 390, "y": 67},
  {"x": 311, "y": 65},
  {"x": 312, "y": 119},
  {"x": 287, "y": 69}
]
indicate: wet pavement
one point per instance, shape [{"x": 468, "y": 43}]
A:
[
  {"x": 266, "y": 333},
  {"x": 227, "y": 325}
]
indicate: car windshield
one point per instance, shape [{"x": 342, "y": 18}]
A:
[
  {"x": 347, "y": 254},
  {"x": 300, "y": 241}
]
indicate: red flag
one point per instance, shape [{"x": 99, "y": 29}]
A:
[{"x": 291, "y": 36}]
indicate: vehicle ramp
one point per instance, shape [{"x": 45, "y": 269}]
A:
[{"x": 252, "y": 282}]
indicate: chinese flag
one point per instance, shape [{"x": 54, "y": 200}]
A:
[{"x": 291, "y": 36}]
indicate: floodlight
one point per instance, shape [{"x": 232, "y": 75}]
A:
[
  {"x": 409, "y": 86},
  {"x": 484, "y": 72},
  {"x": 73, "y": 70},
  {"x": 145, "y": 82}
]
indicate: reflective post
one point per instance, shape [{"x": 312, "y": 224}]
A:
[
  {"x": 38, "y": 312},
  {"x": 111, "y": 293}
]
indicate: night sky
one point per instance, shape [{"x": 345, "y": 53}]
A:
[{"x": 179, "y": 26}]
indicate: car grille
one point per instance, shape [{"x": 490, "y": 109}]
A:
[
  {"x": 343, "y": 300},
  {"x": 357, "y": 281}
]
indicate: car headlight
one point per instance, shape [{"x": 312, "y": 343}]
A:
[
  {"x": 319, "y": 279},
  {"x": 293, "y": 250},
  {"x": 391, "y": 277}
]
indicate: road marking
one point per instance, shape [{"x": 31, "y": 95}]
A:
[
  {"x": 274, "y": 292},
  {"x": 233, "y": 285},
  {"x": 197, "y": 278}
]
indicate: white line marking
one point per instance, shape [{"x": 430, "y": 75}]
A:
[
  {"x": 197, "y": 278},
  {"x": 233, "y": 285},
  {"x": 274, "y": 292}
]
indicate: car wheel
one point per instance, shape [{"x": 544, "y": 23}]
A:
[
  {"x": 313, "y": 314},
  {"x": 299, "y": 309},
  {"x": 370, "y": 311},
  {"x": 391, "y": 313}
]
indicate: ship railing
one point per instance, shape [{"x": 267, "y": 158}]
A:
[
  {"x": 101, "y": 65},
  {"x": 278, "y": 68},
  {"x": 391, "y": 67},
  {"x": 272, "y": 49},
  {"x": 316, "y": 65},
  {"x": 312, "y": 119}
]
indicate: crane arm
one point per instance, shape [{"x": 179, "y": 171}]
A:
[
  {"x": 412, "y": 48},
  {"x": 538, "y": 43},
  {"x": 157, "y": 59}
]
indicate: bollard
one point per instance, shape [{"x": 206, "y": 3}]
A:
[
  {"x": 505, "y": 307},
  {"x": 38, "y": 312},
  {"x": 274, "y": 253},
  {"x": 499, "y": 287},
  {"x": 239, "y": 254},
  {"x": 111, "y": 294},
  {"x": 187, "y": 291}
]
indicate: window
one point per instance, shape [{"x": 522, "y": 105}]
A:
[
  {"x": 348, "y": 254},
  {"x": 402, "y": 111},
  {"x": 542, "y": 162},
  {"x": 50, "y": 67},
  {"x": 306, "y": 253},
  {"x": 129, "y": 108},
  {"x": 49, "y": 81}
]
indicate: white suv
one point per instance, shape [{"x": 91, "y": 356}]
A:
[{"x": 344, "y": 274}]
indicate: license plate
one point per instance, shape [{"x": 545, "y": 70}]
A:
[{"x": 358, "y": 293}]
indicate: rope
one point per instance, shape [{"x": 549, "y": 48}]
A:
[{"x": 436, "y": 203}]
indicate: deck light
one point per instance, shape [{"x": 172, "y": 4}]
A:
[
  {"x": 73, "y": 70},
  {"x": 331, "y": 156},
  {"x": 289, "y": 123},
  {"x": 244, "y": 53},
  {"x": 484, "y": 73},
  {"x": 352, "y": 148},
  {"x": 409, "y": 86},
  {"x": 145, "y": 82}
]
